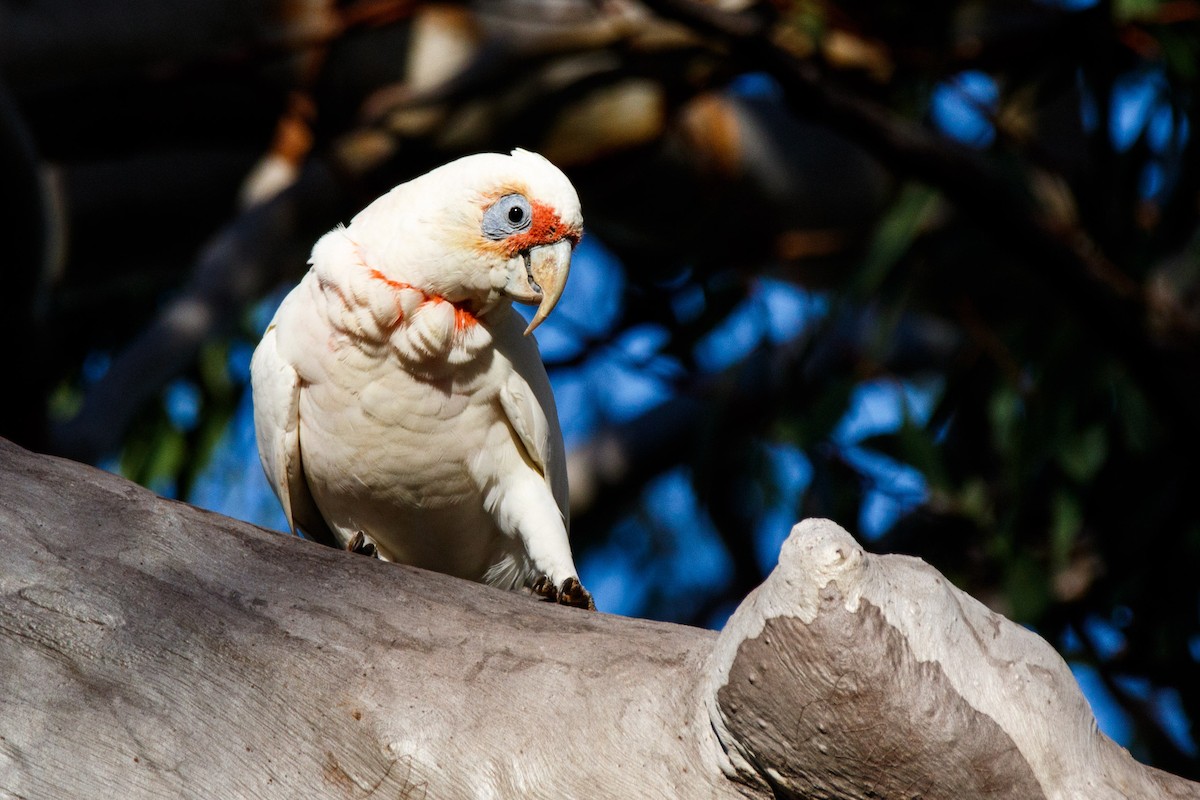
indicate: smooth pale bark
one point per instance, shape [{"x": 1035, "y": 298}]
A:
[{"x": 151, "y": 649}]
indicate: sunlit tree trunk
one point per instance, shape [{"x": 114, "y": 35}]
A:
[{"x": 151, "y": 649}]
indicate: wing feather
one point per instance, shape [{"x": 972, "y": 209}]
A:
[
  {"x": 277, "y": 386},
  {"x": 528, "y": 402}
]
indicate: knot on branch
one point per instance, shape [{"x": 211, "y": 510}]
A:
[{"x": 844, "y": 671}]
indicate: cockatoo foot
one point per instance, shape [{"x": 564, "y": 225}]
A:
[
  {"x": 359, "y": 543},
  {"x": 571, "y": 593},
  {"x": 544, "y": 588}
]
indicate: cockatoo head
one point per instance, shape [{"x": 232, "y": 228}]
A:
[{"x": 478, "y": 231}]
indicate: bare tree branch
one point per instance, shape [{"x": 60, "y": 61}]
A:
[{"x": 151, "y": 649}]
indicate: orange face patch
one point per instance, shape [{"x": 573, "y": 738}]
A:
[{"x": 546, "y": 228}]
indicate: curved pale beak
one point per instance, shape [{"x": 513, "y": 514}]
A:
[{"x": 545, "y": 276}]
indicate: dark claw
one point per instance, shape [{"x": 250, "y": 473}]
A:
[
  {"x": 572, "y": 593},
  {"x": 359, "y": 543},
  {"x": 544, "y": 588}
]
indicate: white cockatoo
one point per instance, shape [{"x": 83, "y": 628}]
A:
[{"x": 401, "y": 407}]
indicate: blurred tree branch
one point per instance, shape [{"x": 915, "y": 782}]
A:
[
  {"x": 232, "y": 271},
  {"x": 1068, "y": 260}
]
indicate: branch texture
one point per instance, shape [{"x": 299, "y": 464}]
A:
[{"x": 151, "y": 649}]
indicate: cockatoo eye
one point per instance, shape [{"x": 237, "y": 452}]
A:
[{"x": 508, "y": 215}]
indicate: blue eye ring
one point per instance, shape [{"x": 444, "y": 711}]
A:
[{"x": 511, "y": 214}]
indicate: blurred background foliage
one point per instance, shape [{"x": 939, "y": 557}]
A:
[{"x": 929, "y": 269}]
